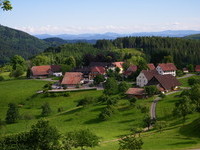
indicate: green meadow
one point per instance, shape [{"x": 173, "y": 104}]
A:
[{"x": 22, "y": 92}]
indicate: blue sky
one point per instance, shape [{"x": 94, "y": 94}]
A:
[{"x": 101, "y": 16}]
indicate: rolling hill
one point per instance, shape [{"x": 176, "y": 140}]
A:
[
  {"x": 14, "y": 42},
  {"x": 193, "y": 36}
]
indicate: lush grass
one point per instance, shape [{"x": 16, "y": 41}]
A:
[
  {"x": 184, "y": 81},
  {"x": 21, "y": 92},
  {"x": 174, "y": 136}
]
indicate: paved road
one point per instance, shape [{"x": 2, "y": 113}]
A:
[
  {"x": 186, "y": 76},
  {"x": 153, "y": 108}
]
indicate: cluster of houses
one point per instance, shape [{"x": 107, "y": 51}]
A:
[{"x": 163, "y": 75}]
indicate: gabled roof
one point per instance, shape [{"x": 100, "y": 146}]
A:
[
  {"x": 151, "y": 66},
  {"x": 166, "y": 81},
  {"x": 197, "y": 68},
  {"x": 118, "y": 64},
  {"x": 149, "y": 74},
  {"x": 45, "y": 70},
  {"x": 132, "y": 68},
  {"x": 72, "y": 78},
  {"x": 135, "y": 91},
  {"x": 99, "y": 69},
  {"x": 167, "y": 66}
]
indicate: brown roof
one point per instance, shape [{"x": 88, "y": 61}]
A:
[
  {"x": 72, "y": 78},
  {"x": 45, "y": 70},
  {"x": 135, "y": 91},
  {"x": 130, "y": 70},
  {"x": 166, "y": 81},
  {"x": 197, "y": 68},
  {"x": 99, "y": 69},
  {"x": 167, "y": 66},
  {"x": 151, "y": 66},
  {"x": 149, "y": 74},
  {"x": 118, "y": 64}
]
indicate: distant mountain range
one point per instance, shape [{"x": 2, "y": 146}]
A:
[{"x": 109, "y": 35}]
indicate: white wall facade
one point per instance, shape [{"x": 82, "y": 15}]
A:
[
  {"x": 160, "y": 71},
  {"x": 141, "y": 80}
]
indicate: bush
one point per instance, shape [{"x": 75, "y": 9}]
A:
[
  {"x": 66, "y": 94},
  {"x": 46, "y": 110},
  {"x": 86, "y": 101},
  {"x": 107, "y": 112},
  {"x": 144, "y": 109},
  {"x": 133, "y": 100},
  {"x": 193, "y": 81},
  {"x": 2, "y": 78},
  {"x": 12, "y": 114},
  {"x": 162, "y": 95},
  {"x": 60, "y": 109}
]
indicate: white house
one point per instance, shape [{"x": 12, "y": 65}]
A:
[
  {"x": 166, "y": 68},
  {"x": 144, "y": 77}
]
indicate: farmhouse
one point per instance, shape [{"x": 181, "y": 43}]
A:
[
  {"x": 166, "y": 68},
  {"x": 135, "y": 92},
  {"x": 197, "y": 68},
  {"x": 130, "y": 70},
  {"x": 151, "y": 67},
  {"x": 72, "y": 79},
  {"x": 115, "y": 65},
  {"x": 45, "y": 71},
  {"x": 97, "y": 70},
  {"x": 144, "y": 77},
  {"x": 165, "y": 83}
]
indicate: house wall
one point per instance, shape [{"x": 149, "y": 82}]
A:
[
  {"x": 160, "y": 71},
  {"x": 141, "y": 80}
]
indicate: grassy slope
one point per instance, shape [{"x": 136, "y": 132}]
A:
[
  {"x": 120, "y": 123},
  {"x": 173, "y": 137}
]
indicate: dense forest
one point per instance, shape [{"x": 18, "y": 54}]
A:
[
  {"x": 194, "y": 36},
  {"x": 14, "y": 42},
  {"x": 183, "y": 51}
]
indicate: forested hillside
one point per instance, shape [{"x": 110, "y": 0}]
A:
[
  {"x": 183, "y": 51},
  {"x": 193, "y": 36},
  {"x": 14, "y": 42}
]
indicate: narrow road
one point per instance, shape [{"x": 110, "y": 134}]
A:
[
  {"x": 186, "y": 76},
  {"x": 153, "y": 107}
]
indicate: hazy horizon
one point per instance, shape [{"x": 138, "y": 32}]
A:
[{"x": 97, "y": 17}]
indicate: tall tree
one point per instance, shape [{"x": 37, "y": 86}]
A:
[
  {"x": 130, "y": 143},
  {"x": 12, "y": 114},
  {"x": 111, "y": 86}
]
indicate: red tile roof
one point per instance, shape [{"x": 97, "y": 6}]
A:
[
  {"x": 99, "y": 69},
  {"x": 135, "y": 91},
  {"x": 118, "y": 64},
  {"x": 130, "y": 70},
  {"x": 149, "y": 74},
  {"x": 151, "y": 66},
  {"x": 167, "y": 66},
  {"x": 197, "y": 68},
  {"x": 45, "y": 70},
  {"x": 166, "y": 81},
  {"x": 72, "y": 78}
]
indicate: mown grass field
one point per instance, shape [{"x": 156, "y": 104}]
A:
[
  {"x": 184, "y": 81},
  {"x": 72, "y": 118}
]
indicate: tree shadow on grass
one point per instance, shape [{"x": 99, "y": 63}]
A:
[
  {"x": 70, "y": 119},
  {"x": 75, "y": 110},
  {"x": 183, "y": 143},
  {"x": 128, "y": 114},
  {"x": 192, "y": 129},
  {"x": 93, "y": 121},
  {"x": 98, "y": 109}
]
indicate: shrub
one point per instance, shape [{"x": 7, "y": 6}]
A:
[
  {"x": 86, "y": 101},
  {"x": 107, "y": 112},
  {"x": 60, "y": 109},
  {"x": 66, "y": 94},
  {"x": 193, "y": 81},
  {"x": 162, "y": 95},
  {"x": 46, "y": 110},
  {"x": 12, "y": 114},
  {"x": 2, "y": 78},
  {"x": 133, "y": 100}
]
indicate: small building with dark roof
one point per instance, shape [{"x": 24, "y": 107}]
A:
[
  {"x": 130, "y": 70},
  {"x": 165, "y": 83},
  {"x": 197, "y": 68},
  {"x": 135, "y": 92}
]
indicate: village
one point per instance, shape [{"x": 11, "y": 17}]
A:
[{"x": 163, "y": 76}]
